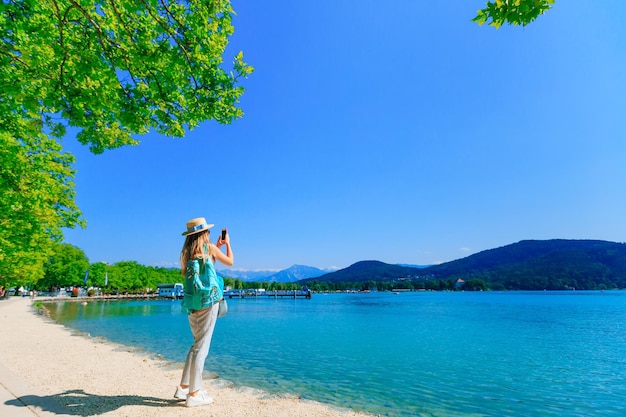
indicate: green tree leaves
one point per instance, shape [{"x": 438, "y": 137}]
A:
[
  {"x": 65, "y": 267},
  {"x": 514, "y": 12},
  {"x": 112, "y": 69},
  {"x": 116, "y": 69},
  {"x": 36, "y": 199}
]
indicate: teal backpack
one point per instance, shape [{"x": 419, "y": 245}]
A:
[{"x": 203, "y": 287}]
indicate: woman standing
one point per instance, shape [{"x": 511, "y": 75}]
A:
[{"x": 203, "y": 291}]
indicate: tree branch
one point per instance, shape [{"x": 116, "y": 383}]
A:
[{"x": 166, "y": 29}]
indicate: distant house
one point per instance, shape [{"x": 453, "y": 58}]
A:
[
  {"x": 459, "y": 284},
  {"x": 170, "y": 290}
]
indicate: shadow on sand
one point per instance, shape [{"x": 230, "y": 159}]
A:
[{"x": 79, "y": 403}]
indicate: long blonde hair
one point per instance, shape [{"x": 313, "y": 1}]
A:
[{"x": 196, "y": 245}]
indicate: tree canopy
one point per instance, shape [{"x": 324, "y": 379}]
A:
[
  {"x": 66, "y": 266},
  {"x": 111, "y": 69},
  {"x": 36, "y": 199},
  {"x": 514, "y": 12},
  {"x": 114, "y": 69}
]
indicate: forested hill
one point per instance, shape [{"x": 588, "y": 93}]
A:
[
  {"x": 369, "y": 271},
  {"x": 526, "y": 265},
  {"x": 544, "y": 264}
]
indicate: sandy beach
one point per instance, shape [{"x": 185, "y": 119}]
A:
[{"x": 77, "y": 375}]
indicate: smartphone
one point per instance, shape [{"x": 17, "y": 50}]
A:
[{"x": 223, "y": 234}]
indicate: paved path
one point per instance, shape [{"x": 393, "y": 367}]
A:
[{"x": 17, "y": 399}]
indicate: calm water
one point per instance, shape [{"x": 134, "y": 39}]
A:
[{"x": 408, "y": 354}]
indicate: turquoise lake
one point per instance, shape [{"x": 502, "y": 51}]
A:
[{"x": 408, "y": 354}]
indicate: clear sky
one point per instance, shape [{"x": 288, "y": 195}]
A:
[{"x": 395, "y": 131}]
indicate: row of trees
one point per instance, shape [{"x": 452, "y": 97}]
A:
[
  {"x": 431, "y": 285},
  {"x": 526, "y": 283},
  {"x": 537, "y": 281},
  {"x": 67, "y": 266}
]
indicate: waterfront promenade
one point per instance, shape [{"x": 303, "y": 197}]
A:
[{"x": 48, "y": 370}]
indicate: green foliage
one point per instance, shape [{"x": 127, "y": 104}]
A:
[
  {"x": 65, "y": 267},
  {"x": 238, "y": 285},
  {"x": 97, "y": 273},
  {"x": 67, "y": 264},
  {"x": 412, "y": 285},
  {"x": 371, "y": 270},
  {"x": 112, "y": 69},
  {"x": 514, "y": 12},
  {"x": 537, "y": 265},
  {"x": 133, "y": 277},
  {"x": 36, "y": 197},
  {"x": 475, "y": 284},
  {"x": 229, "y": 282}
]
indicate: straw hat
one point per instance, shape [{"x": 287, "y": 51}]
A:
[{"x": 197, "y": 225}]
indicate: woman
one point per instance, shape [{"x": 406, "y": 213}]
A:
[{"x": 203, "y": 291}]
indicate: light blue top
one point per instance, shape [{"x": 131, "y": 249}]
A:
[{"x": 203, "y": 287}]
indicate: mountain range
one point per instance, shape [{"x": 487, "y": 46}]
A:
[
  {"x": 543, "y": 264},
  {"x": 528, "y": 264},
  {"x": 291, "y": 274}
]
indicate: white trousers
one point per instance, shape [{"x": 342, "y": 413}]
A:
[{"x": 202, "y": 324}]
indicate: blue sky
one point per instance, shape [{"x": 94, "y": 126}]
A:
[{"x": 394, "y": 131}]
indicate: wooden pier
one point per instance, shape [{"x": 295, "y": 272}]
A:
[{"x": 270, "y": 294}]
